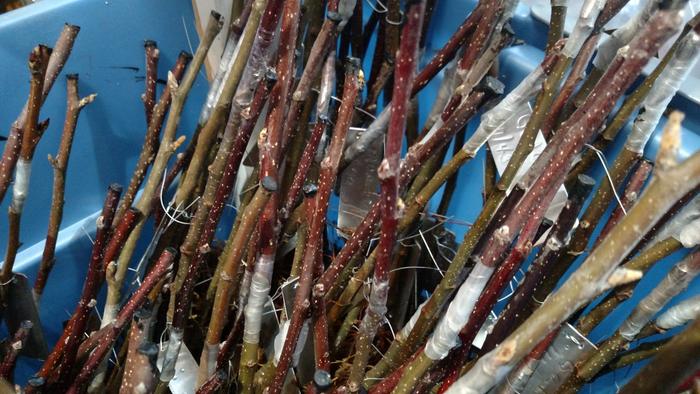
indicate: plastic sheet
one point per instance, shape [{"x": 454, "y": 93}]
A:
[
  {"x": 623, "y": 35},
  {"x": 457, "y": 315},
  {"x": 583, "y": 28},
  {"x": 259, "y": 290},
  {"x": 494, "y": 118},
  {"x": 690, "y": 234},
  {"x": 662, "y": 92},
  {"x": 689, "y": 214},
  {"x": 20, "y": 189},
  {"x": 680, "y": 314},
  {"x": 222, "y": 71},
  {"x": 558, "y": 361},
  {"x": 676, "y": 281},
  {"x": 282, "y": 336}
]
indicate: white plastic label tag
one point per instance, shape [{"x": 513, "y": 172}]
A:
[{"x": 503, "y": 143}]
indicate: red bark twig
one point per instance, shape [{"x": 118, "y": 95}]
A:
[
  {"x": 329, "y": 172},
  {"x": 60, "y": 163},
  {"x": 59, "y": 56},
  {"x": 390, "y": 206},
  {"x": 53, "y": 368},
  {"x": 150, "y": 145},
  {"x": 632, "y": 192},
  {"x": 7, "y": 364},
  {"x": 514, "y": 312},
  {"x": 31, "y": 133},
  {"x": 159, "y": 270},
  {"x": 149, "y": 95}
]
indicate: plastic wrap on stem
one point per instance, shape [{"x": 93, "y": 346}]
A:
[
  {"x": 445, "y": 91},
  {"x": 676, "y": 281},
  {"x": 327, "y": 85},
  {"x": 445, "y": 335},
  {"x": 686, "y": 223},
  {"x": 282, "y": 336},
  {"x": 20, "y": 189},
  {"x": 689, "y": 235},
  {"x": 167, "y": 371},
  {"x": 345, "y": 10},
  {"x": 222, "y": 72},
  {"x": 558, "y": 361},
  {"x": 492, "y": 119},
  {"x": 257, "y": 61},
  {"x": 680, "y": 314},
  {"x": 583, "y": 28},
  {"x": 663, "y": 90},
  {"x": 623, "y": 35},
  {"x": 259, "y": 289},
  {"x": 374, "y": 130},
  {"x": 402, "y": 335}
]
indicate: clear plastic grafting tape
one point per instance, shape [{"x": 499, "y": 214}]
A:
[
  {"x": 558, "y": 361},
  {"x": 680, "y": 314},
  {"x": 690, "y": 234},
  {"x": 228, "y": 56},
  {"x": 402, "y": 335},
  {"x": 374, "y": 131},
  {"x": 378, "y": 296},
  {"x": 23, "y": 172},
  {"x": 688, "y": 216},
  {"x": 445, "y": 91},
  {"x": 494, "y": 118},
  {"x": 259, "y": 290},
  {"x": 327, "y": 84},
  {"x": 345, "y": 10},
  {"x": 516, "y": 380},
  {"x": 282, "y": 336},
  {"x": 457, "y": 315},
  {"x": 623, "y": 35},
  {"x": 675, "y": 281},
  {"x": 583, "y": 28},
  {"x": 359, "y": 184},
  {"x": 663, "y": 90}
]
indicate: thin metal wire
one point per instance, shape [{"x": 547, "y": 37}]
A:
[
  {"x": 375, "y": 9},
  {"x": 402, "y": 18},
  {"x": 430, "y": 253},
  {"x": 603, "y": 161}
]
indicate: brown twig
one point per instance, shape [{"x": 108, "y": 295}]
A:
[
  {"x": 632, "y": 192},
  {"x": 60, "y": 163},
  {"x": 53, "y": 368},
  {"x": 31, "y": 133},
  {"x": 7, "y": 364},
  {"x": 140, "y": 372},
  {"x": 389, "y": 174},
  {"x": 150, "y": 144},
  {"x": 159, "y": 270},
  {"x": 59, "y": 56},
  {"x": 149, "y": 95},
  {"x": 329, "y": 172}
]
